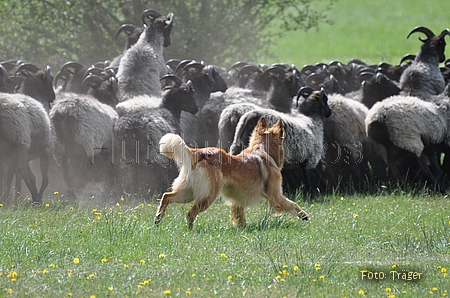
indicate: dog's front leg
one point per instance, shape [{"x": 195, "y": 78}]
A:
[
  {"x": 237, "y": 216},
  {"x": 163, "y": 206}
]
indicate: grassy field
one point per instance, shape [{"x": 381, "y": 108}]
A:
[
  {"x": 373, "y": 31},
  {"x": 60, "y": 249}
]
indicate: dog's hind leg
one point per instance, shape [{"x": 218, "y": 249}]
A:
[
  {"x": 237, "y": 216},
  {"x": 184, "y": 196},
  {"x": 200, "y": 205}
]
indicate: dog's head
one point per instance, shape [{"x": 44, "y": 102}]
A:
[{"x": 270, "y": 139}]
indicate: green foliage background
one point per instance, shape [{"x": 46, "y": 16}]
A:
[{"x": 215, "y": 31}]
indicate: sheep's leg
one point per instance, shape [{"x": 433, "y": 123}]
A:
[
  {"x": 66, "y": 174},
  {"x": 393, "y": 168},
  {"x": 436, "y": 168},
  {"x": 27, "y": 175},
  {"x": 44, "y": 163},
  {"x": 183, "y": 196},
  {"x": 423, "y": 164},
  {"x": 237, "y": 216}
]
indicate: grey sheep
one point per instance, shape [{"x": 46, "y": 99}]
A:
[
  {"x": 27, "y": 133},
  {"x": 138, "y": 133},
  {"x": 423, "y": 77},
  {"x": 84, "y": 129},
  {"x": 283, "y": 87},
  {"x": 304, "y": 132},
  {"x": 409, "y": 124},
  {"x": 142, "y": 65}
]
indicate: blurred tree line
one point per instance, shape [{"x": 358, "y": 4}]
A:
[{"x": 216, "y": 31}]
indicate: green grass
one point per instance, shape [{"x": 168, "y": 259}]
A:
[
  {"x": 122, "y": 253},
  {"x": 373, "y": 31}
]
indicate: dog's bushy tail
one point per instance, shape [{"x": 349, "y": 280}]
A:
[{"x": 174, "y": 147}]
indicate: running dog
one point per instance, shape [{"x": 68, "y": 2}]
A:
[{"x": 242, "y": 180}]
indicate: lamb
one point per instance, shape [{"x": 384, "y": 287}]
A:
[
  {"x": 84, "y": 129},
  {"x": 409, "y": 124},
  {"x": 140, "y": 131},
  {"x": 423, "y": 77},
  {"x": 304, "y": 132},
  {"x": 142, "y": 65}
]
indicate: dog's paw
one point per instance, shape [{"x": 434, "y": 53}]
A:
[{"x": 303, "y": 216}]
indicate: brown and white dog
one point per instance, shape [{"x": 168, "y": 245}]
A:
[{"x": 242, "y": 180}]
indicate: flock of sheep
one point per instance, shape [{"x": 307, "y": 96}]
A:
[{"x": 98, "y": 127}]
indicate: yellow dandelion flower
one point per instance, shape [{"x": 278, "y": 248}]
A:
[
  {"x": 47, "y": 205},
  {"x": 110, "y": 288},
  {"x": 122, "y": 199},
  {"x": 312, "y": 205},
  {"x": 295, "y": 268},
  {"x": 394, "y": 266},
  {"x": 321, "y": 277},
  {"x": 388, "y": 290},
  {"x": 445, "y": 274},
  {"x": 434, "y": 289},
  {"x": 14, "y": 274},
  {"x": 244, "y": 293},
  {"x": 392, "y": 296},
  {"x": 285, "y": 266},
  {"x": 10, "y": 291},
  {"x": 404, "y": 292},
  {"x": 361, "y": 292},
  {"x": 230, "y": 277},
  {"x": 104, "y": 260},
  {"x": 334, "y": 213},
  {"x": 45, "y": 271},
  {"x": 188, "y": 292},
  {"x": 193, "y": 274},
  {"x": 443, "y": 270},
  {"x": 160, "y": 256},
  {"x": 167, "y": 292},
  {"x": 69, "y": 294},
  {"x": 142, "y": 261},
  {"x": 341, "y": 198},
  {"x": 76, "y": 260},
  {"x": 355, "y": 215},
  {"x": 224, "y": 256},
  {"x": 118, "y": 204},
  {"x": 1, "y": 205}
]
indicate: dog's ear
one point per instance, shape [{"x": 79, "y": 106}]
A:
[
  {"x": 262, "y": 126},
  {"x": 278, "y": 129}
]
